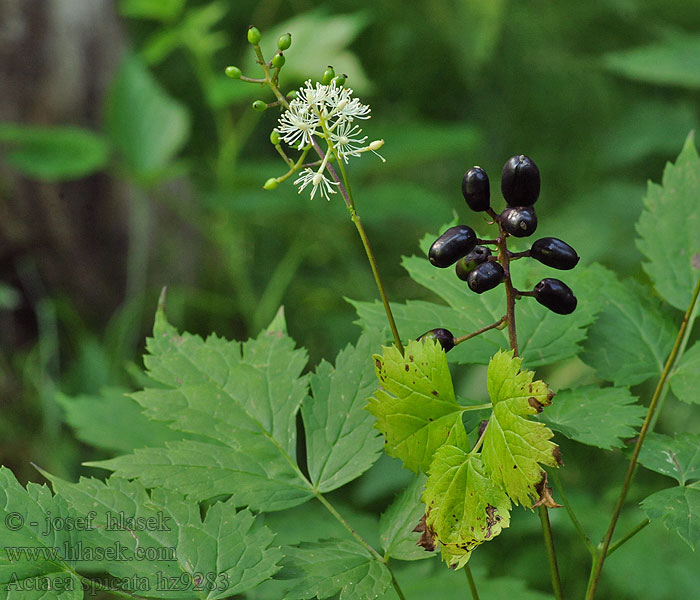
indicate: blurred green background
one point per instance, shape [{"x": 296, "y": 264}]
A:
[{"x": 129, "y": 162}]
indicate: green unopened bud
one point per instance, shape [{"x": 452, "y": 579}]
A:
[
  {"x": 275, "y": 137},
  {"x": 278, "y": 60},
  {"x": 270, "y": 184},
  {"x": 291, "y": 95},
  {"x": 233, "y": 72},
  {"x": 328, "y": 75},
  {"x": 284, "y": 41},
  {"x": 340, "y": 80},
  {"x": 259, "y": 105},
  {"x": 254, "y": 35}
]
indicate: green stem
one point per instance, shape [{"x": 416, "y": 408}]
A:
[
  {"x": 469, "y": 336},
  {"x": 628, "y": 536},
  {"x": 577, "y": 524},
  {"x": 395, "y": 583},
  {"x": 597, "y": 566},
  {"x": 551, "y": 552},
  {"x": 472, "y": 583}
]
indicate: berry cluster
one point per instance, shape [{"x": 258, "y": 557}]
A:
[{"x": 474, "y": 261}]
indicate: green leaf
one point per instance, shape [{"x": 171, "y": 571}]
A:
[
  {"x": 24, "y": 514},
  {"x": 242, "y": 398},
  {"x": 228, "y": 552},
  {"x": 544, "y": 337},
  {"x": 322, "y": 569},
  {"x": 678, "y": 508},
  {"x": 341, "y": 440},
  {"x": 685, "y": 381},
  {"x": 595, "y": 416},
  {"x": 113, "y": 421},
  {"x": 631, "y": 338},
  {"x": 677, "y": 457},
  {"x": 668, "y": 228},
  {"x": 674, "y": 61},
  {"x": 146, "y": 125},
  {"x": 514, "y": 446},
  {"x": 54, "y": 153},
  {"x": 465, "y": 507},
  {"x": 415, "y": 406},
  {"x": 397, "y": 525}
]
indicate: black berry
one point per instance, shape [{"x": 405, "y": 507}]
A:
[
  {"x": 443, "y": 336},
  {"x": 452, "y": 245},
  {"x": 555, "y": 295},
  {"x": 475, "y": 189},
  {"x": 520, "y": 181},
  {"x": 519, "y": 221},
  {"x": 469, "y": 262},
  {"x": 555, "y": 253},
  {"x": 485, "y": 277}
]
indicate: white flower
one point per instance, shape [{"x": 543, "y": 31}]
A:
[
  {"x": 298, "y": 123},
  {"x": 346, "y": 139},
  {"x": 318, "y": 180}
]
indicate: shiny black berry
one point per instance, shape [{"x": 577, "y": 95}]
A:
[
  {"x": 485, "y": 277},
  {"x": 475, "y": 189},
  {"x": 519, "y": 221},
  {"x": 443, "y": 336},
  {"x": 555, "y": 253},
  {"x": 452, "y": 245},
  {"x": 469, "y": 262},
  {"x": 520, "y": 181},
  {"x": 555, "y": 295}
]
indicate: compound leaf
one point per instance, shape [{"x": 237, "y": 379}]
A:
[
  {"x": 685, "y": 381},
  {"x": 515, "y": 446},
  {"x": 668, "y": 228},
  {"x": 595, "y": 416},
  {"x": 631, "y": 338},
  {"x": 415, "y": 406},
  {"x": 465, "y": 507},
  {"x": 322, "y": 569},
  {"x": 678, "y": 508},
  {"x": 341, "y": 440},
  {"x": 677, "y": 457},
  {"x": 397, "y": 525}
]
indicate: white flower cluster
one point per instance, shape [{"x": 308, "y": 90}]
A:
[{"x": 327, "y": 112}]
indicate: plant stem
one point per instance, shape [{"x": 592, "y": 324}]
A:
[
  {"x": 472, "y": 583},
  {"x": 395, "y": 583},
  {"x": 577, "y": 525},
  {"x": 597, "y": 565},
  {"x": 628, "y": 536},
  {"x": 469, "y": 336},
  {"x": 551, "y": 552}
]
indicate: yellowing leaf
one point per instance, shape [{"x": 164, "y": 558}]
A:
[
  {"x": 465, "y": 508},
  {"x": 415, "y": 406},
  {"x": 514, "y": 446}
]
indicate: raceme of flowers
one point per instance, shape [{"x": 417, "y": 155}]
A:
[{"x": 328, "y": 113}]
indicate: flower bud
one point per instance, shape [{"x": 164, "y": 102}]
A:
[
  {"x": 291, "y": 95},
  {"x": 253, "y": 35},
  {"x": 275, "y": 137},
  {"x": 328, "y": 75},
  {"x": 259, "y": 105},
  {"x": 233, "y": 72},
  {"x": 270, "y": 184},
  {"x": 284, "y": 41},
  {"x": 340, "y": 80},
  {"x": 278, "y": 60},
  {"x": 376, "y": 145}
]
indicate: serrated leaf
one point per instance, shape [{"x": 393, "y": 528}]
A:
[
  {"x": 668, "y": 228},
  {"x": 685, "y": 381},
  {"x": 677, "y": 457},
  {"x": 54, "y": 153},
  {"x": 242, "y": 398},
  {"x": 544, "y": 337},
  {"x": 28, "y": 555},
  {"x": 225, "y": 553},
  {"x": 341, "y": 440},
  {"x": 113, "y": 421},
  {"x": 415, "y": 406},
  {"x": 673, "y": 61},
  {"x": 397, "y": 525},
  {"x": 322, "y": 569},
  {"x": 514, "y": 446},
  {"x": 595, "y": 416},
  {"x": 631, "y": 338},
  {"x": 464, "y": 506},
  {"x": 144, "y": 123},
  {"x": 678, "y": 508}
]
